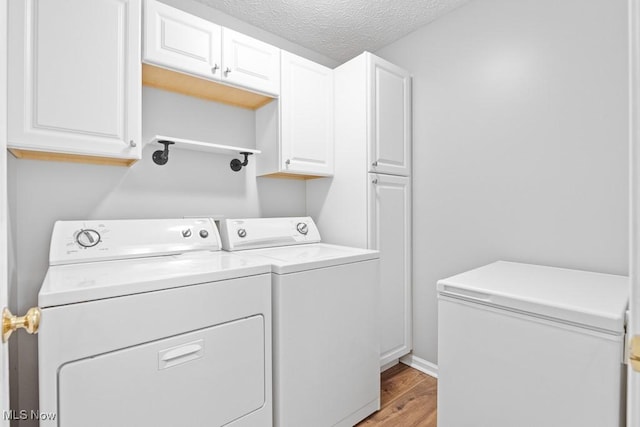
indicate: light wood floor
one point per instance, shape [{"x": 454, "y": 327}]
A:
[{"x": 407, "y": 399}]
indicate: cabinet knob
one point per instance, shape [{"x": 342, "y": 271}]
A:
[
  {"x": 227, "y": 71},
  {"x": 214, "y": 68},
  {"x": 287, "y": 162},
  {"x": 374, "y": 181},
  {"x": 374, "y": 164},
  {"x": 132, "y": 144}
]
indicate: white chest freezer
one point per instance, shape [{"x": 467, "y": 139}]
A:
[{"x": 530, "y": 346}]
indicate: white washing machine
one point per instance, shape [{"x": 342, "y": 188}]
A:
[
  {"x": 530, "y": 346},
  {"x": 148, "y": 323},
  {"x": 326, "y": 347}
]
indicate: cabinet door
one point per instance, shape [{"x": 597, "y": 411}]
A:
[
  {"x": 181, "y": 41},
  {"x": 390, "y": 112},
  {"x": 306, "y": 108},
  {"x": 74, "y": 77},
  {"x": 250, "y": 63},
  {"x": 390, "y": 233}
]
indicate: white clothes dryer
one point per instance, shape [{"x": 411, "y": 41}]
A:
[
  {"x": 326, "y": 347},
  {"x": 148, "y": 323}
]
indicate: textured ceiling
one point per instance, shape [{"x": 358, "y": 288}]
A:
[{"x": 339, "y": 29}]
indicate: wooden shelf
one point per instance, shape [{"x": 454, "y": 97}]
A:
[
  {"x": 173, "y": 81},
  {"x": 73, "y": 158},
  {"x": 188, "y": 144}
]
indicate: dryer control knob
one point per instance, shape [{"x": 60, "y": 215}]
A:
[
  {"x": 204, "y": 233},
  {"x": 302, "y": 228},
  {"x": 242, "y": 232},
  {"x": 88, "y": 238}
]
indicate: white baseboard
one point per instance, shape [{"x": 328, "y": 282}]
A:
[
  {"x": 421, "y": 365},
  {"x": 391, "y": 364}
]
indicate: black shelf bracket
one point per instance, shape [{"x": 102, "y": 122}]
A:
[
  {"x": 236, "y": 164},
  {"x": 161, "y": 157}
]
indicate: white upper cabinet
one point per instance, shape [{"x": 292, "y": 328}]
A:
[
  {"x": 250, "y": 63},
  {"x": 74, "y": 79},
  {"x": 306, "y": 109},
  {"x": 296, "y": 135},
  {"x": 184, "y": 42},
  {"x": 390, "y": 145}
]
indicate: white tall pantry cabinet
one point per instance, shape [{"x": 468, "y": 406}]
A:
[{"x": 368, "y": 201}]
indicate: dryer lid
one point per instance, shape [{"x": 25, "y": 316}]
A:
[
  {"x": 593, "y": 300},
  {"x": 75, "y": 283}
]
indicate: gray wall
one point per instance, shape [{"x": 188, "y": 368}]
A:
[{"x": 520, "y": 141}]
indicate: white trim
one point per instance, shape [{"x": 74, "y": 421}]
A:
[
  {"x": 389, "y": 365},
  {"x": 633, "y": 379},
  {"x": 4, "y": 356},
  {"x": 420, "y": 364}
]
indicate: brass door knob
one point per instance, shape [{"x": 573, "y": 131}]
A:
[
  {"x": 634, "y": 353},
  {"x": 29, "y": 322}
]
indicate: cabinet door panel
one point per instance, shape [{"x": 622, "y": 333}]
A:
[
  {"x": 58, "y": 72},
  {"x": 390, "y": 233},
  {"x": 250, "y": 63},
  {"x": 74, "y": 77},
  {"x": 181, "y": 41},
  {"x": 390, "y": 147},
  {"x": 306, "y": 106}
]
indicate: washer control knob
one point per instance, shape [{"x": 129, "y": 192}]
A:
[
  {"x": 186, "y": 233},
  {"x": 302, "y": 228},
  {"x": 242, "y": 232},
  {"x": 204, "y": 233},
  {"x": 88, "y": 238}
]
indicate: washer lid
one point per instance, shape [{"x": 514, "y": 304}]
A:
[
  {"x": 593, "y": 300},
  {"x": 74, "y": 283},
  {"x": 292, "y": 259}
]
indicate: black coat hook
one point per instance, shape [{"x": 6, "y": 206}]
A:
[
  {"x": 236, "y": 164},
  {"x": 161, "y": 157}
]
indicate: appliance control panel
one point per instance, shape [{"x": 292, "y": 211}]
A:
[
  {"x": 253, "y": 233},
  {"x": 92, "y": 240}
]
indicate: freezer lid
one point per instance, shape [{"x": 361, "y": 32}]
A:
[
  {"x": 293, "y": 259},
  {"x": 593, "y": 300}
]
